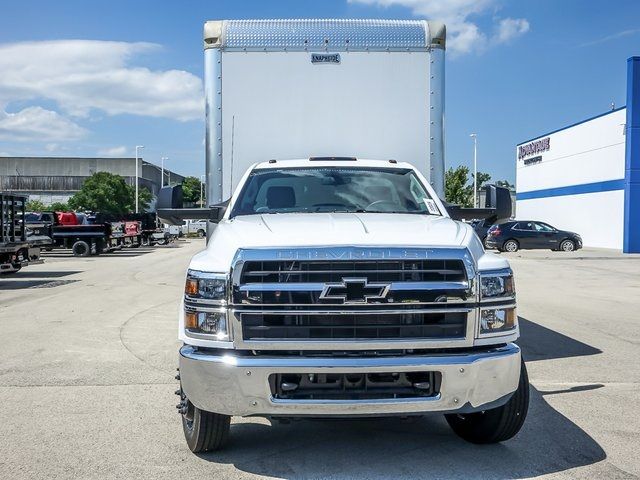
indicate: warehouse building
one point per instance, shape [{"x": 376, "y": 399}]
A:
[
  {"x": 56, "y": 179},
  {"x": 586, "y": 177}
]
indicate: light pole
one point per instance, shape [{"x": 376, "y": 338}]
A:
[
  {"x": 475, "y": 169},
  {"x": 202, "y": 178},
  {"x": 162, "y": 171},
  {"x": 137, "y": 148}
]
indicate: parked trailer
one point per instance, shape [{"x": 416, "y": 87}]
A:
[
  {"x": 72, "y": 231},
  {"x": 15, "y": 249}
]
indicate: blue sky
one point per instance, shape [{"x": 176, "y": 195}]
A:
[{"x": 96, "y": 78}]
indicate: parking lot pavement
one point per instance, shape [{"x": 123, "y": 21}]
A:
[{"x": 88, "y": 356}]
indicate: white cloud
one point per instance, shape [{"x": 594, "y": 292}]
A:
[
  {"x": 463, "y": 35},
  {"x": 510, "y": 28},
  {"x": 113, "y": 152},
  {"x": 82, "y": 75},
  {"x": 615, "y": 36},
  {"x": 38, "y": 124}
]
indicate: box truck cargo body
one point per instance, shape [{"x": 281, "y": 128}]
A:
[{"x": 305, "y": 88}]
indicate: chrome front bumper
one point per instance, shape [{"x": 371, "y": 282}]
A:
[{"x": 222, "y": 382}]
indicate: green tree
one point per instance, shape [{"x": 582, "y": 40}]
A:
[
  {"x": 506, "y": 184},
  {"x": 104, "y": 192},
  {"x": 483, "y": 178},
  {"x": 456, "y": 190},
  {"x": 144, "y": 198},
  {"x": 191, "y": 190},
  {"x": 59, "y": 207},
  {"x": 35, "y": 206}
]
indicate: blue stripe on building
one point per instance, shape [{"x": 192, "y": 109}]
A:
[
  {"x": 631, "y": 236},
  {"x": 595, "y": 187}
]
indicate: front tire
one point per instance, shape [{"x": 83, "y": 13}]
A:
[
  {"x": 567, "y": 246},
  {"x": 498, "y": 424},
  {"x": 204, "y": 431}
]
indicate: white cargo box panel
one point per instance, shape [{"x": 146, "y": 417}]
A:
[{"x": 282, "y": 89}]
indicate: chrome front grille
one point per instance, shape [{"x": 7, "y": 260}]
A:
[
  {"x": 373, "y": 270},
  {"x": 353, "y": 298}
]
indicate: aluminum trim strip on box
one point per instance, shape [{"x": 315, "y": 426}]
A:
[{"x": 325, "y": 35}]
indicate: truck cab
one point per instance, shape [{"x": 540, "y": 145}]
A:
[{"x": 339, "y": 288}]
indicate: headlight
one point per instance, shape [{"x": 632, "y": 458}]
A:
[
  {"x": 209, "y": 323},
  {"x": 497, "y": 320},
  {"x": 209, "y": 286},
  {"x": 494, "y": 285}
]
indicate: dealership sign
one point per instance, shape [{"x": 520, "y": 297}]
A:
[{"x": 533, "y": 148}]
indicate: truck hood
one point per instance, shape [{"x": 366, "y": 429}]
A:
[{"x": 331, "y": 229}]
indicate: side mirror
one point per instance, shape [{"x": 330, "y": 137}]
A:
[
  {"x": 498, "y": 199},
  {"x": 497, "y": 207},
  {"x": 169, "y": 197},
  {"x": 169, "y": 208}
]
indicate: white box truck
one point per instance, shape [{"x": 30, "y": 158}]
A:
[{"x": 334, "y": 285}]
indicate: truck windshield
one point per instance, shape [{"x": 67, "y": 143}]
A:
[{"x": 331, "y": 189}]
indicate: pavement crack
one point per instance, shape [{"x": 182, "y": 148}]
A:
[{"x": 126, "y": 322}]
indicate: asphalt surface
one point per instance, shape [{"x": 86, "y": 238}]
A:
[{"x": 88, "y": 357}]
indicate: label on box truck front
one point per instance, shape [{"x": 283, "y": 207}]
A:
[{"x": 325, "y": 58}]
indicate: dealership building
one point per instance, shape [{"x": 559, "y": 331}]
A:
[{"x": 586, "y": 177}]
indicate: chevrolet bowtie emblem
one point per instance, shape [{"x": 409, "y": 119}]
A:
[{"x": 354, "y": 290}]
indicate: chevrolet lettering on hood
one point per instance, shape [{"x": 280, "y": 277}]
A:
[{"x": 351, "y": 253}]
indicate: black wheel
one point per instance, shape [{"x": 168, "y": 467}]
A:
[
  {"x": 498, "y": 424},
  {"x": 81, "y": 249},
  {"x": 201, "y": 233},
  {"x": 204, "y": 431},
  {"x": 510, "y": 246},
  {"x": 567, "y": 246}
]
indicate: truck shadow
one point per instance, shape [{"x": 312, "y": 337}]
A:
[
  {"x": 541, "y": 343},
  {"x": 33, "y": 279}
]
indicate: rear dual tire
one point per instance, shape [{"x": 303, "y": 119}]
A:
[
  {"x": 81, "y": 249},
  {"x": 498, "y": 424}
]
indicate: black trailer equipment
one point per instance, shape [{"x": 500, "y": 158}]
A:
[{"x": 16, "y": 250}]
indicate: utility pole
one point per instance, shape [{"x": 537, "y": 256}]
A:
[
  {"x": 202, "y": 177},
  {"x": 137, "y": 175},
  {"x": 475, "y": 169},
  {"x": 162, "y": 170}
]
